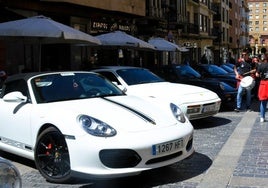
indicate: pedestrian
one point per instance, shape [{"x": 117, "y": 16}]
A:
[
  {"x": 244, "y": 67},
  {"x": 257, "y": 79},
  {"x": 262, "y": 73}
]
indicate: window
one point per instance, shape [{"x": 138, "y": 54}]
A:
[{"x": 257, "y": 22}]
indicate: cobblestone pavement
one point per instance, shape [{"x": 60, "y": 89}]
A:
[{"x": 231, "y": 152}]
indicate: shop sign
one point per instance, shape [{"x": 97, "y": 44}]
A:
[{"x": 108, "y": 27}]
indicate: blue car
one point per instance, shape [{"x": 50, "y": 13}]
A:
[
  {"x": 187, "y": 75},
  {"x": 214, "y": 71}
]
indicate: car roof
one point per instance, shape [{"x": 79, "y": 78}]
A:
[
  {"x": 21, "y": 76},
  {"x": 117, "y": 67}
]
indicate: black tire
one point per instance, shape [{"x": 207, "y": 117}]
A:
[{"x": 52, "y": 156}]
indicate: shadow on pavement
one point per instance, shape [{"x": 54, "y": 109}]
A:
[
  {"x": 178, "y": 172},
  {"x": 210, "y": 122},
  {"x": 18, "y": 159}
]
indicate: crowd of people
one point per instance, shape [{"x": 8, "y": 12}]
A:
[{"x": 254, "y": 69}]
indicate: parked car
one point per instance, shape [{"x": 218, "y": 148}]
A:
[
  {"x": 214, "y": 71},
  {"x": 9, "y": 175},
  {"x": 79, "y": 124},
  {"x": 185, "y": 74},
  {"x": 196, "y": 102},
  {"x": 227, "y": 68}
]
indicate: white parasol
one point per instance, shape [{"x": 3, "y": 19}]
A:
[
  {"x": 122, "y": 39},
  {"x": 162, "y": 44},
  {"x": 43, "y": 30}
]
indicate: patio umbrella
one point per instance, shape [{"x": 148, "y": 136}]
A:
[
  {"x": 43, "y": 30},
  {"x": 122, "y": 39},
  {"x": 162, "y": 44}
]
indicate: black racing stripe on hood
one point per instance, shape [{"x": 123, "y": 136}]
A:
[{"x": 143, "y": 116}]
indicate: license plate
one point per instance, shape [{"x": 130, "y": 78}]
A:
[
  {"x": 209, "y": 108},
  {"x": 167, "y": 147}
]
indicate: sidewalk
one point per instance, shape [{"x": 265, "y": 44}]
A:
[{"x": 243, "y": 161}]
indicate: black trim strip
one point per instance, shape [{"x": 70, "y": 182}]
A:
[{"x": 146, "y": 118}]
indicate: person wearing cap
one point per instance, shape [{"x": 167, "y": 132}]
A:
[
  {"x": 244, "y": 67},
  {"x": 262, "y": 73}
]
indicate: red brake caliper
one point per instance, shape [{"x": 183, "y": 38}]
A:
[{"x": 49, "y": 147}]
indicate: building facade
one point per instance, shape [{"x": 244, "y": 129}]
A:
[
  {"x": 258, "y": 26},
  {"x": 210, "y": 28}
]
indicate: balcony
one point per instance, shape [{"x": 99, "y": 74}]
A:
[{"x": 190, "y": 28}]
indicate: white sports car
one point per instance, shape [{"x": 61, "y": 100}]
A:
[
  {"x": 195, "y": 102},
  {"x": 79, "y": 123}
]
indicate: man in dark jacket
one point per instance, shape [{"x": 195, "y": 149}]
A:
[{"x": 243, "y": 68}]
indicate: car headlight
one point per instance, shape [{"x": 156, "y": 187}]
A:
[
  {"x": 9, "y": 174},
  {"x": 96, "y": 127},
  {"x": 178, "y": 114}
]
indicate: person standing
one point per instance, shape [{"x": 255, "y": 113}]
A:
[
  {"x": 257, "y": 79},
  {"x": 262, "y": 73},
  {"x": 243, "y": 68}
]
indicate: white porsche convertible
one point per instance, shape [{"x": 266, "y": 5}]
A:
[
  {"x": 195, "y": 102},
  {"x": 79, "y": 123}
]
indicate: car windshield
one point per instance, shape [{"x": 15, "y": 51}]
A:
[
  {"x": 70, "y": 86},
  {"x": 138, "y": 76},
  {"x": 187, "y": 71},
  {"x": 215, "y": 70}
]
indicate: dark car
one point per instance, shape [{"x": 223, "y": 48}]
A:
[
  {"x": 227, "y": 68},
  {"x": 187, "y": 75},
  {"x": 214, "y": 71}
]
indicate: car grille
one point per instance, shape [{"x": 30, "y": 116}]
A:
[
  {"x": 119, "y": 158},
  {"x": 203, "y": 115},
  {"x": 126, "y": 158}
]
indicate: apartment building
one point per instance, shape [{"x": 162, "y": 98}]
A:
[{"x": 258, "y": 26}]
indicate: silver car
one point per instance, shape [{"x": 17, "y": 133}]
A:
[{"x": 9, "y": 175}]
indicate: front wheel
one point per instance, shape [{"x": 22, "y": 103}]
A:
[{"x": 52, "y": 156}]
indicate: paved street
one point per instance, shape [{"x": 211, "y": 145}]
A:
[{"x": 231, "y": 152}]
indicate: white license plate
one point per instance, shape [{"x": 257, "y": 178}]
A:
[
  {"x": 209, "y": 108},
  {"x": 167, "y": 147}
]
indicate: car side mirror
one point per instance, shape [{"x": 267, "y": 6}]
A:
[{"x": 15, "y": 96}]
